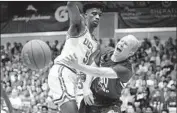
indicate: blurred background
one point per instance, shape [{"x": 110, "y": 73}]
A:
[{"x": 151, "y": 90}]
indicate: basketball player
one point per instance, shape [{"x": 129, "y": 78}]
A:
[
  {"x": 62, "y": 80},
  {"x": 115, "y": 69}
]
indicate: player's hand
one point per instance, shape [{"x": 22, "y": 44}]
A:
[
  {"x": 71, "y": 61},
  {"x": 88, "y": 97}
]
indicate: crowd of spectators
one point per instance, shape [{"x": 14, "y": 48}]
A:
[
  {"x": 152, "y": 89},
  {"x": 28, "y": 90}
]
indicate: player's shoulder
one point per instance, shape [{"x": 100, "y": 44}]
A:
[
  {"x": 126, "y": 63},
  {"x": 77, "y": 30}
]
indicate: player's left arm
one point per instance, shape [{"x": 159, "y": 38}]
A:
[{"x": 119, "y": 71}]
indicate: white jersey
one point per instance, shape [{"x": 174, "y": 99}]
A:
[{"x": 83, "y": 46}]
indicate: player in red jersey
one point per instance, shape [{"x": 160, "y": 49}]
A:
[{"x": 113, "y": 70}]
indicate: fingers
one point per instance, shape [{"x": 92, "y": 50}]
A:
[
  {"x": 92, "y": 99},
  {"x": 70, "y": 59},
  {"x": 74, "y": 55},
  {"x": 64, "y": 61},
  {"x": 89, "y": 100}
]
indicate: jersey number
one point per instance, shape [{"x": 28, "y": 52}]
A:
[
  {"x": 86, "y": 58},
  {"x": 80, "y": 85},
  {"x": 105, "y": 82}
]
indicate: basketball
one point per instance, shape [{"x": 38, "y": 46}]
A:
[{"x": 36, "y": 54}]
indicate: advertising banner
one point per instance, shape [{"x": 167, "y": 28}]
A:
[
  {"x": 27, "y": 17},
  {"x": 34, "y": 17}
]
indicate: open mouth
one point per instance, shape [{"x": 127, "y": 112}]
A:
[{"x": 118, "y": 49}]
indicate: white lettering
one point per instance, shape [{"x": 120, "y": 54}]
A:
[
  {"x": 61, "y": 14},
  {"x": 33, "y": 17}
]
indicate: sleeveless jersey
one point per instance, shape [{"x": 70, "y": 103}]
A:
[
  {"x": 105, "y": 90},
  {"x": 84, "y": 46}
]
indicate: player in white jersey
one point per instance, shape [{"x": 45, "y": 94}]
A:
[{"x": 62, "y": 80}]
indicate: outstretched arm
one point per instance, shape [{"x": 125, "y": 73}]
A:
[
  {"x": 74, "y": 13},
  {"x": 119, "y": 71},
  {"x": 107, "y": 72}
]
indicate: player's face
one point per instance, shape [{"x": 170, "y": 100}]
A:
[
  {"x": 122, "y": 50},
  {"x": 93, "y": 16}
]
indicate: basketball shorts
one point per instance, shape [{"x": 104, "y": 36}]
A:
[{"x": 62, "y": 83}]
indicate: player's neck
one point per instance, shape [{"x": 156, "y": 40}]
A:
[
  {"x": 116, "y": 60},
  {"x": 91, "y": 28}
]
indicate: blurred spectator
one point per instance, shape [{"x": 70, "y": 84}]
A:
[
  {"x": 171, "y": 101},
  {"x": 169, "y": 43},
  {"x": 142, "y": 96},
  {"x": 15, "y": 99},
  {"x": 142, "y": 67},
  {"x": 133, "y": 87},
  {"x": 147, "y": 43},
  {"x": 126, "y": 97},
  {"x": 149, "y": 109},
  {"x": 100, "y": 41},
  {"x": 156, "y": 43},
  {"x": 151, "y": 81},
  {"x": 55, "y": 49},
  {"x": 111, "y": 43},
  {"x": 165, "y": 61},
  {"x": 165, "y": 83},
  {"x": 48, "y": 43},
  {"x": 157, "y": 100},
  {"x": 137, "y": 106},
  {"x": 131, "y": 108},
  {"x": 139, "y": 81},
  {"x": 165, "y": 111},
  {"x": 44, "y": 109}
]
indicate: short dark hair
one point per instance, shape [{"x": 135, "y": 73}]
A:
[
  {"x": 150, "y": 107},
  {"x": 45, "y": 107},
  {"x": 166, "y": 110},
  {"x": 165, "y": 81},
  {"x": 133, "y": 106},
  {"x": 99, "y": 5}
]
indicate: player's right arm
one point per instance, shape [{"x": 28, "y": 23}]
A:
[
  {"x": 77, "y": 25},
  {"x": 74, "y": 13}
]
